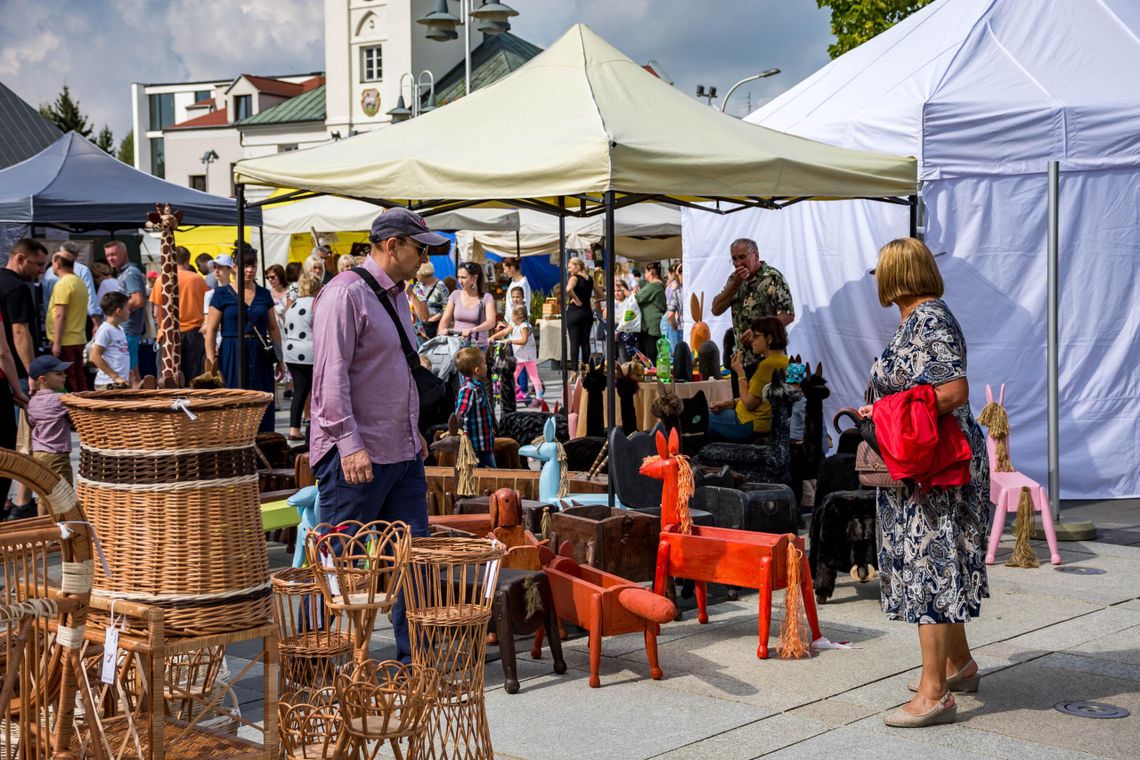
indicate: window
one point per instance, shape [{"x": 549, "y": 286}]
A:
[
  {"x": 157, "y": 157},
  {"x": 198, "y": 182},
  {"x": 161, "y": 111},
  {"x": 371, "y": 69},
  {"x": 201, "y": 95},
  {"x": 287, "y": 148},
  {"x": 243, "y": 107}
]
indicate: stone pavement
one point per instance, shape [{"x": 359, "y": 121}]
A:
[{"x": 1044, "y": 637}]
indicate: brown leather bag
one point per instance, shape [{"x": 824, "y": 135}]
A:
[{"x": 872, "y": 470}]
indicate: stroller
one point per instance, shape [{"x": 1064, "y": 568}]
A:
[{"x": 440, "y": 351}]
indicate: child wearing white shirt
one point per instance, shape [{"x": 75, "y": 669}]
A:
[{"x": 109, "y": 350}]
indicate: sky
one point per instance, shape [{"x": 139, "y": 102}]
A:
[{"x": 99, "y": 47}]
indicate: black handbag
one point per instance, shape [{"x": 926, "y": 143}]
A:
[{"x": 430, "y": 388}]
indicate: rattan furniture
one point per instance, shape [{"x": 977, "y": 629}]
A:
[
  {"x": 386, "y": 703},
  {"x": 311, "y": 724},
  {"x": 449, "y": 587},
  {"x": 169, "y": 479},
  {"x": 313, "y": 641}
]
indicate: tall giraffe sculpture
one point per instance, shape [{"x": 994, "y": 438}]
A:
[{"x": 166, "y": 221}]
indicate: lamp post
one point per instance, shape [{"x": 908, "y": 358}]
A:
[
  {"x": 753, "y": 78},
  {"x": 401, "y": 112},
  {"x": 709, "y": 95},
  {"x": 441, "y": 25}
]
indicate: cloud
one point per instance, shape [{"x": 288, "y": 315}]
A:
[{"x": 99, "y": 47}]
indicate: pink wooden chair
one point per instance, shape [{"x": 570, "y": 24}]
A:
[{"x": 1005, "y": 492}]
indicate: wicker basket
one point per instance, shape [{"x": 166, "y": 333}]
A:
[{"x": 169, "y": 480}]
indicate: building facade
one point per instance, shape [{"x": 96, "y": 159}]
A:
[{"x": 192, "y": 133}]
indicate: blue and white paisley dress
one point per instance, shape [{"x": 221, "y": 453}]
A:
[{"x": 932, "y": 547}]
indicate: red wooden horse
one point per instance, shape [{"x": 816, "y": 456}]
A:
[{"x": 721, "y": 555}]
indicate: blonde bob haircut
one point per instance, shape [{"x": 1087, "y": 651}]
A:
[{"x": 906, "y": 269}]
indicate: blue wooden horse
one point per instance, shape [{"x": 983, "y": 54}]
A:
[
  {"x": 553, "y": 481},
  {"x": 307, "y": 502}
]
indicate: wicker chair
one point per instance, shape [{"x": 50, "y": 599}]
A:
[
  {"x": 359, "y": 568},
  {"x": 311, "y": 725},
  {"x": 385, "y": 702},
  {"x": 41, "y": 627}
]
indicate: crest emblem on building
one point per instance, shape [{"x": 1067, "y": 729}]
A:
[{"x": 370, "y": 101}]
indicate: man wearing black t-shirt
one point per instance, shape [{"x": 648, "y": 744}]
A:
[{"x": 26, "y": 263}]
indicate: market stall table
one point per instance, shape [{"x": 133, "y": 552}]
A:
[
  {"x": 549, "y": 340},
  {"x": 715, "y": 390}
]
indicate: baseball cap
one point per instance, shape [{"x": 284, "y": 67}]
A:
[
  {"x": 224, "y": 260},
  {"x": 42, "y": 365},
  {"x": 400, "y": 222}
]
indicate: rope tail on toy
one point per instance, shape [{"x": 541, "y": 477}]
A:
[
  {"x": 1023, "y": 554},
  {"x": 794, "y": 641},
  {"x": 546, "y": 527},
  {"x": 995, "y": 418},
  {"x": 465, "y": 467}
]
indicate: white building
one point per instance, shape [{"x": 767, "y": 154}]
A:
[{"x": 192, "y": 133}]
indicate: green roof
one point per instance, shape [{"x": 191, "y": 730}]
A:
[
  {"x": 496, "y": 57},
  {"x": 308, "y": 106}
]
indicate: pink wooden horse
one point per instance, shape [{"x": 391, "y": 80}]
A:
[
  {"x": 1005, "y": 492},
  {"x": 719, "y": 555}
]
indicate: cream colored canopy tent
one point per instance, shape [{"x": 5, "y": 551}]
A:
[
  {"x": 645, "y": 232},
  {"x": 581, "y": 130}
]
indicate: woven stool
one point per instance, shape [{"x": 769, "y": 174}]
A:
[
  {"x": 310, "y": 724},
  {"x": 449, "y": 588},
  {"x": 385, "y": 702},
  {"x": 313, "y": 643},
  {"x": 358, "y": 568}
]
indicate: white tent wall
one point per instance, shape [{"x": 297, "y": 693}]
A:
[{"x": 985, "y": 93}]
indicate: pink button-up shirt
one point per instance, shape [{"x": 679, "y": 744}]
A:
[{"x": 363, "y": 394}]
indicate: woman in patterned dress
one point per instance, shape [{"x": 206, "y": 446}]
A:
[{"x": 932, "y": 546}]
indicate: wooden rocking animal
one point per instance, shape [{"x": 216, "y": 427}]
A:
[{"x": 763, "y": 561}]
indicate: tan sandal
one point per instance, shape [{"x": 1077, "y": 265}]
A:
[
  {"x": 946, "y": 711},
  {"x": 958, "y": 682}
]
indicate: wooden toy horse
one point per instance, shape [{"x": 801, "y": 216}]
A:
[
  {"x": 762, "y": 561},
  {"x": 554, "y": 479}
]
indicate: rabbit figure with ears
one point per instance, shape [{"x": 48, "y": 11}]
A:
[{"x": 700, "y": 331}]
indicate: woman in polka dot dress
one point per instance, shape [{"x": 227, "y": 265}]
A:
[{"x": 298, "y": 345}]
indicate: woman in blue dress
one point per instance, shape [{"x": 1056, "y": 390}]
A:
[
  {"x": 263, "y": 366},
  {"x": 931, "y": 546}
]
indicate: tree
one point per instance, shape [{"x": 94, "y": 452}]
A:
[
  {"x": 65, "y": 114},
  {"x": 106, "y": 140},
  {"x": 127, "y": 149},
  {"x": 853, "y": 22}
]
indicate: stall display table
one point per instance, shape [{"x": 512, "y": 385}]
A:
[
  {"x": 648, "y": 391},
  {"x": 549, "y": 340}
]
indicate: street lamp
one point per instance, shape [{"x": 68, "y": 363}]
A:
[
  {"x": 709, "y": 95},
  {"x": 417, "y": 85},
  {"x": 441, "y": 24},
  {"x": 753, "y": 78}
]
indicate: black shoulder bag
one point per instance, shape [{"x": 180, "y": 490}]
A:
[{"x": 430, "y": 387}]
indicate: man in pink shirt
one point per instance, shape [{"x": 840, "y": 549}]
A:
[{"x": 365, "y": 441}]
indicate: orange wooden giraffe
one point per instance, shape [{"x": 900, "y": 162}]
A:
[{"x": 723, "y": 555}]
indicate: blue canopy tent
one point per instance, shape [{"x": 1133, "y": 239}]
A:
[{"x": 74, "y": 185}]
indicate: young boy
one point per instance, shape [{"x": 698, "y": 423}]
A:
[
  {"x": 109, "y": 351},
  {"x": 51, "y": 427},
  {"x": 472, "y": 405}
]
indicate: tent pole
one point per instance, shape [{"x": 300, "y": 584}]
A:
[
  {"x": 611, "y": 390},
  {"x": 913, "y": 215},
  {"x": 239, "y": 192},
  {"x": 1053, "y": 355},
  {"x": 562, "y": 264},
  {"x": 261, "y": 250}
]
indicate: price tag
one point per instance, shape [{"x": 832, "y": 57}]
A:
[
  {"x": 328, "y": 563},
  {"x": 492, "y": 572},
  {"x": 110, "y": 656}
]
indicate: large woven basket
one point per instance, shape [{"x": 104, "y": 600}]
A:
[{"x": 169, "y": 481}]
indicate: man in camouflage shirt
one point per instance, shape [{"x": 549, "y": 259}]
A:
[{"x": 754, "y": 289}]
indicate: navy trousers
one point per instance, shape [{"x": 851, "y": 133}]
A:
[{"x": 397, "y": 492}]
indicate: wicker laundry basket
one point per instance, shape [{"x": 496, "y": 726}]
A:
[{"x": 168, "y": 479}]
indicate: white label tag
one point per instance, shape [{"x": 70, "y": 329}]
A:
[
  {"x": 328, "y": 562},
  {"x": 492, "y": 573},
  {"x": 110, "y": 656}
]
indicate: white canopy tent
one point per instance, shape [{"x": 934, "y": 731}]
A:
[
  {"x": 581, "y": 130},
  {"x": 985, "y": 92}
]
